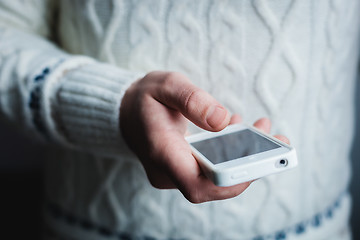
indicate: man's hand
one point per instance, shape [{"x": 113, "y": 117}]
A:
[{"x": 153, "y": 120}]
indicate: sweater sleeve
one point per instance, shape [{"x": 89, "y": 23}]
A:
[{"x": 72, "y": 100}]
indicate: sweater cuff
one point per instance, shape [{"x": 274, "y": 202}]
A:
[{"x": 87, "y": 107}]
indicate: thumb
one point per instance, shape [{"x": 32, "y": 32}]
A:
[{"x": 198, "y": 106}]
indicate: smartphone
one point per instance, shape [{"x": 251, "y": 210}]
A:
[{"x": 240, "y": 153}]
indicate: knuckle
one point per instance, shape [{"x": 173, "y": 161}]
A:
[
  {"x": 152, "y": 74},
  {"x": 190, "y": 98},
  {"x": 171, "y": 78},
  {"x": 174, "y": 76}
]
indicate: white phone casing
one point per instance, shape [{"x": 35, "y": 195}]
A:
[{"x": 247, "y": 168}]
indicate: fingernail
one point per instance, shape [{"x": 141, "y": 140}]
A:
[{"x": 216, "y": 116}]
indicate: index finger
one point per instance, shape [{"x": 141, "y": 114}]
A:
[{"x": 195, "y": 104}]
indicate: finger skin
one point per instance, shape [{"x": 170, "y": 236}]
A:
[
  {"x": 236, "y": 118},
  {"x": 198, "y": 106},
  {"x": 264, "y": 124},
  {"x": 283, "y": 138}
]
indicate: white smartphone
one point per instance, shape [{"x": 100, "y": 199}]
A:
[{"x": 240, "y": 153}]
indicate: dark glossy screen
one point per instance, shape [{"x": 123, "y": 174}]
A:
[{"x": 233, "y": 145}]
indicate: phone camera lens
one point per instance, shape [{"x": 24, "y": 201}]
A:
[{"x": 281, "y": 163}]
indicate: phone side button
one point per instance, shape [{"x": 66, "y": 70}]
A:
[{"x": 239, "y": 175}]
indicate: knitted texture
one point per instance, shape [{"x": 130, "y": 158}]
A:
[
  {"x": 72, "y": 100},
  {"x": 292, "y": 60},
  {"x": 88, "y": 107}
]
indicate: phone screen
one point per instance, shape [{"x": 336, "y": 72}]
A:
[{"x": 234, "y": 145}]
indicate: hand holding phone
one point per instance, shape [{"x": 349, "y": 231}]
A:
[
  {"x": 240, "y": 154},
  {"x": 153, "y": 120}
]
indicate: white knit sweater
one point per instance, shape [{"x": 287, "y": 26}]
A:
[{"x": 291, "y": 60}]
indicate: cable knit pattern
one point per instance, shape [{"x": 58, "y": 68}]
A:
[
  {"x": 70, "y": 99},
  {"x": 291, "y": 60}
]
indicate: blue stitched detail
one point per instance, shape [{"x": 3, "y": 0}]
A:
[
  {"x": 35, "y": 98},
  {"x": 42, "y": 76},
  {"x": 35, "y": 101},
  {"x": 39, "y": 78},
  {"x": 316, "y": 221},
  {"x": 46, "y": 71},
  {"x": 301, "y": 227},
  {"x": 280, "y": 235},
  {"x": 298, "y": 229},
  {"x": 337, "y": 203},
  {"x": 329, "y": 213}
]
